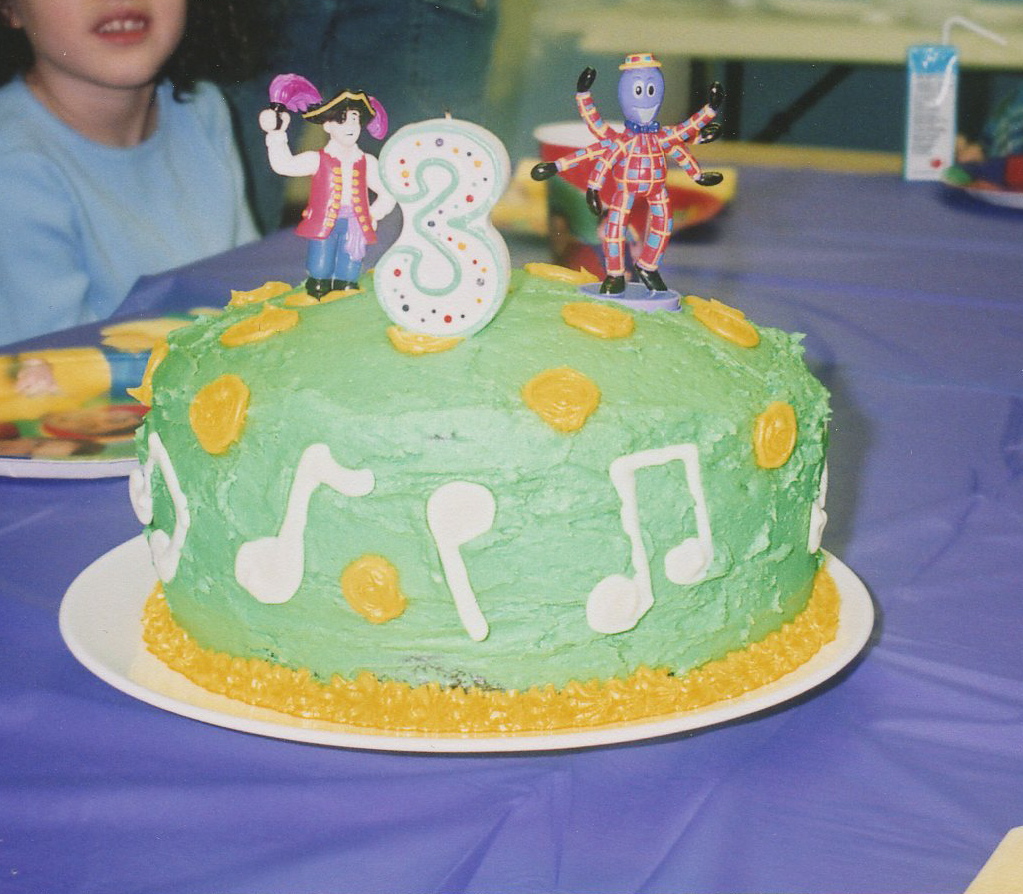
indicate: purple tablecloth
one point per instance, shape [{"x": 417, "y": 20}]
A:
[{"x": 902, "y": 774}]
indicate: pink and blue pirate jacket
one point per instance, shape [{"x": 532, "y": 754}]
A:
[{"x": 324, "y": 205}]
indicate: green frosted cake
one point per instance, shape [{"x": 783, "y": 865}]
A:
[{"x": 583, "y": 514}]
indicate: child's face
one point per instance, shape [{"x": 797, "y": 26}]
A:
[{"x": 122, "y": 44}]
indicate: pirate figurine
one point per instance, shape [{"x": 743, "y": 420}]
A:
[
  {"x": 340, "y": 220},
  {"x": 637, "y": 160}
]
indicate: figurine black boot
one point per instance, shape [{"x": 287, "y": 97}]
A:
[
  {"x": 651, "y": 279},
  {"x": 612, "y": 285},
  {"x": 317, "y": 288}
]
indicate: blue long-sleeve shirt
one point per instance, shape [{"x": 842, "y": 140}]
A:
[{"x": 81, "y": 221}]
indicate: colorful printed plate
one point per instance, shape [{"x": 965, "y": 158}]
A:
[
  {"x": 995, "y": 181},
  {"x": 1004, "y": 198},
  {"x": 65, "y": 409},
  {"x": 95, "y": 441}
]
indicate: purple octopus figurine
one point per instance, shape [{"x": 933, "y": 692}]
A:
[{"x": 637, "y": 161}]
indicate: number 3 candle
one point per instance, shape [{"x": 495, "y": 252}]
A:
[{"x": 448, "y": 272}]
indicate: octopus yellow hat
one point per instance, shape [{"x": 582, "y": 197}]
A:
[{"x": 639, "y": 60}]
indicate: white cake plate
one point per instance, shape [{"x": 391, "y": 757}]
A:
[
  {"x": 70, "y": 469},
  {"x": 100, "y": 620}
]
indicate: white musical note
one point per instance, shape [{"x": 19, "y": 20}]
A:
[
  {"x": 456, "y": 513},
  {"x": 165, "y": 550},
  {"x": 271, "y": 568},
  {"x": 617, "y": 603},
  {"x": 818, "y": 515}
]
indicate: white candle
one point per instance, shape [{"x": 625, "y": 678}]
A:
[{"x": 448, "y": 272}]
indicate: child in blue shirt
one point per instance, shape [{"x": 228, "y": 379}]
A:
[{"x": 116, "y": 160}]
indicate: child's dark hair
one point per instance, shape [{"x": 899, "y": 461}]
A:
[{"x": 225, "y": 41}]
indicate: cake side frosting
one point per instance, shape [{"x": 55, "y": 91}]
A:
[
  {"x": 571, "y": 494},
  {"x": 369, "y": 703}
]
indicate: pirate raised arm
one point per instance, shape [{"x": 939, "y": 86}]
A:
[{"x": 274, "y": 124}]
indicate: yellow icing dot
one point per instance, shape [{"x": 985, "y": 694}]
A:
[
  {"x": 601, "y": 320},
  {"x": 144, "y": 393},
  {"x": 415, "y": 343},
  {"x": 218, "y": 412},
  {"x": 139, "y": 335},
  {"x": 254, "y": 296},
  {"x": 370, "y": 586},
  {"x": 339, "y": 293},
  {"x": 304, "y": 299},
  {"x": 563, "y": 398},
  {"x": 774, "y": 435},
  {"x": 728, "y": 322},
  {"x": 558, "y": 273},
  {"x": 300, "y": 299},
  {"x": 269, "y": 321},
  {"x": 368, "y": 703}
]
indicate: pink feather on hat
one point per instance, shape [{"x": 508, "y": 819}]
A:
[
  {"x": 377, "y": 127},
  {"x": 293, "y": 92}
]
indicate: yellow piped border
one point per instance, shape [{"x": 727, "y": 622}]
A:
[{"x": 372, "y": 704}]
